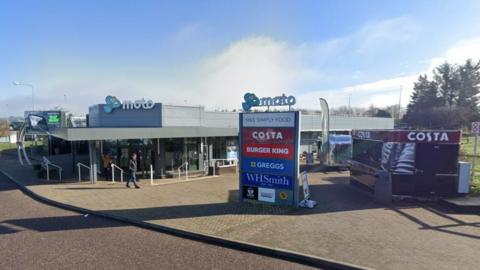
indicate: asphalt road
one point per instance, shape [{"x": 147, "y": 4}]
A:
[{"x": 38, "y": 236}]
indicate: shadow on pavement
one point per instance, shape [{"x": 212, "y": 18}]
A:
[
  {"x": 455, "y": 222},
  {"x": 7, "y": 230},
  {"x": 330, "y": 198},
  {"x": 63, "y": 223}
]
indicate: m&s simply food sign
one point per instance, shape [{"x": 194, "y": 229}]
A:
[{"x": 269, "y": 157}]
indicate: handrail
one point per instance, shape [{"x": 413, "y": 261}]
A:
[
  {"x": 113, "y": 173},
  {"x": 48, "y": 163},
  {"x": 151, "y": 174},
  {"x": 186, "y": 170},
  {"x": 79, "y": 164},
  {"x": 205, "y": 167}
]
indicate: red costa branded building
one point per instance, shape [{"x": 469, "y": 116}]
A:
[{"x": 421, "y": 162}]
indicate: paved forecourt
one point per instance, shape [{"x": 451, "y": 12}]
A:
[
  {"x": 37, "y": 236},
  {"x": 345, "y": 226}
]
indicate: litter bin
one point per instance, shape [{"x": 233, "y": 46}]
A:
[{"x": 383, "y": 188}]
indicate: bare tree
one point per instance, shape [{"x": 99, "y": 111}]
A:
[{"x": 4, "y": 128}]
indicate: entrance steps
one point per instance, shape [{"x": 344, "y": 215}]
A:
[{"x": 191, "y": 174}]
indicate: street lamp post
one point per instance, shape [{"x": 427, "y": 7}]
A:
[
  {"x": 34, "y": 137},
  {"x": 32, "y": 87}
]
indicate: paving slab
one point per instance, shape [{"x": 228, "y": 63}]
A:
[{"x": 346, "y": 225}]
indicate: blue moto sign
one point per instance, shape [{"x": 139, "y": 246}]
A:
[{"x": 269, "y": 143}]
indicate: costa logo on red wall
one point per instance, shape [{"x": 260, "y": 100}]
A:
[
  {"x": 268, "y": 135},
  {"x": 269, "y": 151},
  {"x": 415, "y": 136},
  {"x": 442, "y": 137}
]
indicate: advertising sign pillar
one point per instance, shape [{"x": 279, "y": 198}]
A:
[{"x": 269, "y": 165}]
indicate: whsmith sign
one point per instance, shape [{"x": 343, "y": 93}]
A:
[
  {"x": 269, "y": 157},
  {"x": 251, "y": 100}
]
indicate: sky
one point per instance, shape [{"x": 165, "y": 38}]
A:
[{"x": 210, "y": 53}]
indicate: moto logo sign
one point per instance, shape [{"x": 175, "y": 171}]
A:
[{"x": 112, "y": 102}]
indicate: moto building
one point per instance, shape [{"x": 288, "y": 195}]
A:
[{"x": 168, "y": 136}]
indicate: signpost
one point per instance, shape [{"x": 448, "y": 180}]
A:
[
  {"x": 475, "y": 131},
  {"x": 269, "y": 157}
]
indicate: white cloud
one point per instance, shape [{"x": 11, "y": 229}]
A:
[
  {"x": 376, "y": 35},
  {"x": 379, "y": 93},
  {"x": 387, "y": 91},
  {"x": 258, "y": 64},
  {"x": 459, "y": 52}
]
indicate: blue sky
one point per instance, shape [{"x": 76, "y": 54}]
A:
[{"x": 211, "y": 52}]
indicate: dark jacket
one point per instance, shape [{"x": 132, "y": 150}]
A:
[{"x": 132, "y": 165}]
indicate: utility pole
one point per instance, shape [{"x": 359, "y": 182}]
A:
[
  {"x": 349, "y": 107},
  {"x": 400, "y": 102}
]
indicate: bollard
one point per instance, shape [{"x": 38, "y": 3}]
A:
[{"x": 383, "y": 188}]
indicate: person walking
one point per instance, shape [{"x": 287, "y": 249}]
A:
[
  {"x": 132, "y": 166},
  {"x": 107, "y": 163}
]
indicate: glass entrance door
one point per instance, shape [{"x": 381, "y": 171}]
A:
[{"x": 192, "y": 146}]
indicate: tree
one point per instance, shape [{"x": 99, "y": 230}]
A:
[
  {"x": 4, "y": 128},
  {"x": 446, "y": 76},
  {"x": 383, "y": 113},
  {"x": 448, "y": 101},
  {"x": 469, "y": 77}
]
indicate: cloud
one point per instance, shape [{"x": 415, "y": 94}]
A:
[
  {"x": 376, "y": 35},
  {"x": 459, "y": 52},
  {"x": 258, "y": 64},
  {"x": 379, "y": 93},
  {"x": 387, "y": 91}
]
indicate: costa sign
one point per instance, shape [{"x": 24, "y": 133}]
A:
[
  {"x": 414, "y": 136},
  {"x": 428, "y": 136},
  {"x": 268, "y": 135}
]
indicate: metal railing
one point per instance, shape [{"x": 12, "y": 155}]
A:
[
  {"x": 47, "y": 163},
  {"x": 151, "y": 174},
  {"x": 79, "y": 166},
  {"x": 113, "y": 173},
  {"x": 205, "y": 167},
  {"x": 180, "y": 170}
]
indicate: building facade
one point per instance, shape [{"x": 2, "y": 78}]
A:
[{"x": 168, "y": 136}]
